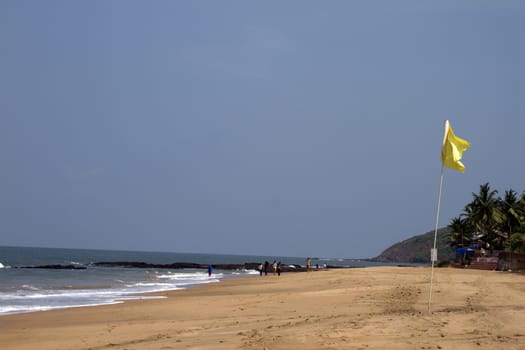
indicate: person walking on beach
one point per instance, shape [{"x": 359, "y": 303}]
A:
[
  {"x": 308, "y": 264},
  {"x": 266, "y": 265},
  {"x": 274, "y": 267},
  {"x": 279, "y": 265},
  {"x": 260, "y": 269},
  {"x": 210, "y": 270}
]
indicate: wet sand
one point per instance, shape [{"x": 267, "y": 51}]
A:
[{"x": 365, "y": 308}]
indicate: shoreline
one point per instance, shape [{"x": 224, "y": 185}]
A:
[
  {"x": 358, "y": 308},
  {"x": 155, "y": 294},
  {"x": 137, "y": 296}
]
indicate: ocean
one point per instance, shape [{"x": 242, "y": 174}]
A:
[{"x": 24, "y": 288}]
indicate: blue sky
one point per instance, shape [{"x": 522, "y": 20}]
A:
[{"x": 294, "y": 128}]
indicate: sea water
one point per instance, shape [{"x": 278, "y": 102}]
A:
[{"x": 24, "y": 289}]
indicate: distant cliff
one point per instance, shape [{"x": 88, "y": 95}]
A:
[{"x": 417, "y": 249}]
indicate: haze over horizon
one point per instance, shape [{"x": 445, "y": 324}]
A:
[{"x": 292, "y": 128}]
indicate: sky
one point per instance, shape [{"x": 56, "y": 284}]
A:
[{"x": 281, "y": 128}]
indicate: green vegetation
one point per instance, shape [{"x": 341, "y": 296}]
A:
[{"x": 491, "y": 222}]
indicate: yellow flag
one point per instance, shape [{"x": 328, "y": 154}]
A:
[{"x": 453, "y": 148}]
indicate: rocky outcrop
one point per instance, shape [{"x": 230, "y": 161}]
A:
[
  {"x": 55, "y": 267},
  {"x": 187, "y": 265},
  {"x": 176, "y": 265},
  {"x": 143, "y": 265}
]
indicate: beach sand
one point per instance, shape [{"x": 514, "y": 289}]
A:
[{"x": 362, "y": 308}]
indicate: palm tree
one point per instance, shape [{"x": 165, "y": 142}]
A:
[
  {"x": 516, "y": 242},
  {"x": 521, "y": 212},
  {"x": 460, "y": 232},
  {"x": 511, "y": 210},
  {"x": 484, "y": 215}
]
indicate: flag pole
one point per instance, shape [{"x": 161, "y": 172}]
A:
[
  {"x": 435, "y": 237},
  {"x": 434, "y": 251}
]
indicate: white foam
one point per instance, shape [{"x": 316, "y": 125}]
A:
[
  {"x": 32, "y": 298},
  {"x": 5, "y": 310},
  {"x": 29, "y": 287},
  {"x": 149, "y": 284},
  {"x": 190, "y": 278}
]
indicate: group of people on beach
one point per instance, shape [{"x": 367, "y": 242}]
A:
[{"x": 276, "y": 268}]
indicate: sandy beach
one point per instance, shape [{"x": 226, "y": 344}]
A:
[{"x": 362, "y": 308}]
